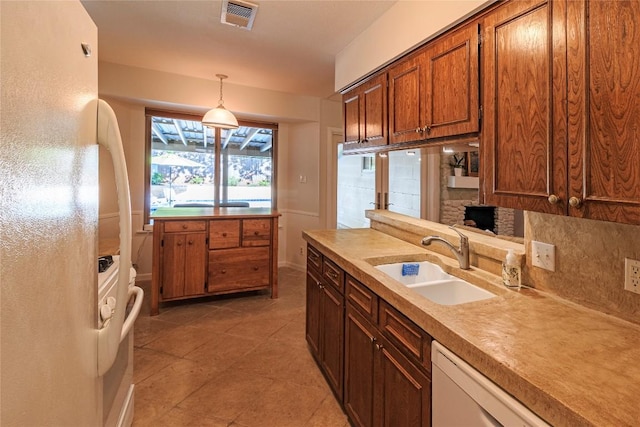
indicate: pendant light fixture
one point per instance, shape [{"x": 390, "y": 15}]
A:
[{"x": 220, "y": 117}]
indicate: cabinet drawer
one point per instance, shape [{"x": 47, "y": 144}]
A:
[
  {"x": 314, "y": 259},
  {"x": 224, "y": 234},
  {"x": 182, "y": 226},
  {"x": 238, "y": 269},
  {"x": 405, "y": 334},
  {"x": 362, "y": 298},
  {"x": 256, "y": 232},
  {"x": 333, "y": 275}
]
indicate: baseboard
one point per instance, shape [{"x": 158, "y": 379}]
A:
[
  {"x": 143, "y": 277},
  {"x": 293, "y": 266}
]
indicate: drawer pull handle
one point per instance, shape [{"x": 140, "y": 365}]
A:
[
  {"x": 313, "y": 257},
  {"x": 332, "y": 274}
]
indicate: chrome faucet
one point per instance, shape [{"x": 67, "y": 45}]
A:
[{"x": 461, "y": 254}]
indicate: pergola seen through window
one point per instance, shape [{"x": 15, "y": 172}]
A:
[{"x": 188, "y": 164}]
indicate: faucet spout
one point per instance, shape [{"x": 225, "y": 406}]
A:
[{"x": 462, "y": 253}]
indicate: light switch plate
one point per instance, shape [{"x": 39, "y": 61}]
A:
[
  {"x": 543, "y": 255},
  {"x": 632, "y": 275}
]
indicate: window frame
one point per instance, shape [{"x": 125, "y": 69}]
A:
[{"x": 151, "y": 112}]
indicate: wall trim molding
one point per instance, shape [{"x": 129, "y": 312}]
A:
[{"x": 301, "y": 213}]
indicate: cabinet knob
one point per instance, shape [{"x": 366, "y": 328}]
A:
[
  {"x": 191, "y": 242},
  {"x": 419, "y": 130},
  {"x": 256, "y": 233},
  {"x": 575, "y": 202},
  {"x": 224, "y": 234},
  {"x": 379, "y": 346},
  {"x": 179, "y": 243},
  {"x": 184, "y": 226},
  {"x": 426, "y": 129},
  {"x": 553, "y": 199},
  {"x": 223, "y": 271},
  {"x": 255, "y": 268}
]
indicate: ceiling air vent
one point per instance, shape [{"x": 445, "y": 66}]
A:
[{"x": 238, "y": 13}]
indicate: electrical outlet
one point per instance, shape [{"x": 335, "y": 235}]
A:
[
  {"x": 632, "y": 275},
  {"x": 301, "y": 250},
  {"x": 543, "y": 255}
]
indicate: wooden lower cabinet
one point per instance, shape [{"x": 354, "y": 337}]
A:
[
  {"x": 374, "y": 358},
  {"x": 213, "y": 251},
  {"x": 382, "y": 386},
  {"x": 360, "y": 355},
  {"x": 184, "y": 264},
  {"x": 325, "y": 329}
]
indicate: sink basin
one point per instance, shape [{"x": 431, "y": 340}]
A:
[
  {"x": 451, "y": 292},
  {"x": 427, "y": 272},
  {"x": 434, "y": 284}
]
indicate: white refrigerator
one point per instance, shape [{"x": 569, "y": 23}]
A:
[{"x": 54, "y": 347}]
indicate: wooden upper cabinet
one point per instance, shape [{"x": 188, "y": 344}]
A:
[
  {"x": 524, "y": 90},
  {"x": 434, "y": 92},
  {"x": 604, "y": 110},
  {"x": 365, "y": 114},
  {"x": 452, "y": 102},
  {"x": 406, "y": 88}
]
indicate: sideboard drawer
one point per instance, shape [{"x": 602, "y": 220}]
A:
[
  {"x": 182, "y": 226},
  {"x": 224, "y": 234},
  {"x": 256, "y": 232},
  {"x": 237, "y": 269}
]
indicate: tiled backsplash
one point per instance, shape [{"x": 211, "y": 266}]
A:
[{"x": 589, "y": 261}]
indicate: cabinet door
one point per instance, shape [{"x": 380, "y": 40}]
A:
[
  {"x": 452, "y": 80},
  {"x": 351, "y": 112},
  {"x": 403, "y": 392},
  {"x": 195, "y": 266},
  {"x": 173, "y": 259},
  {"x": 332, "y": 330},
  {"x": 359, "y": 367},
  {"x": 524, "y": 129},
  {"x": 312, "y": 327},
  {"x": 604, "y": 110},
  {"x": 365, "y": 114},
  {"x": 183, "y": 264},
  {"x": 406, "y": 87},
  {"x": 374, "y": 111}
]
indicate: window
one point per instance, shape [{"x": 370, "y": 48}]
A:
[{"x": 188, "y": 164}]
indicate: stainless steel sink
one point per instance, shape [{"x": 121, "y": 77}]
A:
[{"x": 434, "y": 284}]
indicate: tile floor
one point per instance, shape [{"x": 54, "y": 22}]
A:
[{"x": 231, "y": 361}]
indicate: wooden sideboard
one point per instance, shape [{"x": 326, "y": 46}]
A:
[{"x": 201, "y": 252}]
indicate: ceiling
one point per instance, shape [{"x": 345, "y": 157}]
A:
[{"x": 291, "y": 47}]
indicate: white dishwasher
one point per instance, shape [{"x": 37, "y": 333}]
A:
[{"x": 463, "y": 397}]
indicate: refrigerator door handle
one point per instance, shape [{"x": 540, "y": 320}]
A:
[
  {"x": 138, "y": 293},
  {"x": 109, "y": 137}
]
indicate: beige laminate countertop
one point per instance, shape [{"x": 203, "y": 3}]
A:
[{"x": 570, "y": 365}]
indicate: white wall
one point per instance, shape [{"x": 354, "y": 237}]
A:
[
  {"x": 404, "y": 26},
  {"x": 302, "y": 123}
]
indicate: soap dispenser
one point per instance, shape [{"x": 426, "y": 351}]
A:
[{"x": 511, "y": 271}]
